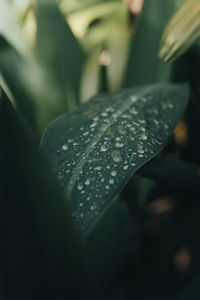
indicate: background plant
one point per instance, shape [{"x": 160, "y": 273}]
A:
[{"x": 98, "y": 230}]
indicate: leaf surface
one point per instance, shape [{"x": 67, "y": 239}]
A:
[
  {"x": 59, "y": 50},
  {"x": 96, "y": 149},
  {"x": 144, "y": 66}
]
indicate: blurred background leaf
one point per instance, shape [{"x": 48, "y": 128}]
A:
[
  {"x": 143, "y": 66},
  {"x": 59, "y": 51},
  {"x": 47, "y": 78},
  {"x": 102, "y": 26},
  {"x": 181, "y": 32},
  {"x": 42, "y": 257}
]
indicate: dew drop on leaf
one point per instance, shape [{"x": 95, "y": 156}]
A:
[
  {"x": 116, "y": 156},
  {"x": 104, "y": 148},
  {"x": 65, "y": 147},
  {"x": 113, "y": 173}
]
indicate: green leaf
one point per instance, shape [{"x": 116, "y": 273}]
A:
[
  {"x": 182, "y": 31},
  {"x": 14, "y": 69},
  {"x": 59, "y": 51},
  {"x": 172, "y": 172},
  {"x": 10, "y": 27},
  {"x": 42, "y": 257},
  {"x": 143, "y": 66},
  {"x": 192, "y": 291},
  {"x": 98, "y": 147}
]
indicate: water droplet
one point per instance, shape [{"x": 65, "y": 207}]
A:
[
  {"x": 126, "y": 116},
  {"x": 107, "y": 187},
  {"x": 121, "y": 129},
  {"x": 75, "y": 144},
  {"x": 133, "y": 164},
  {"x": 133, "y": 111},
  {"x": 116, "y": 156},
  {"x": 104, "y": 114},
  {"x": 111, "y": 181},
  {"x": 104, "y": 148},
  {"x": 143, "y": 137},
  {"x": 87, "y": 182},
  {"x": 156, "y": 121},
  {"x": 98, "y": 168},
  {"x": 132, "y": 129},
  {"x": 113, "y": 173},
  {"x": 133, "y": 99},
  {"x": 70, "y": 141},
  {"x": 65, "y": 147},
  {"x": 107, "y": 167},
  {"x": 119, "y": 145},
  {"x": 88, "y": 198},
  {"x": 140, "y": 151},
  {"x": 95, "y": 119},
  {"x": 80, "y": 186},
  {"x": 125, "y": 167},
  {"x": 81, "y": 204},
  {"x": 93, "y": 124},
  {"x": 118, "y": 139},
  {"x": 141, "y": 121},
  {"x": 86, "y": 133}
]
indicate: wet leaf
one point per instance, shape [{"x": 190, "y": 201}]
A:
[{"x": 98, "y": 147}]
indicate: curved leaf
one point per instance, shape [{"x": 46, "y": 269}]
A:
[
  {"x": 98, "y": 147},
  {"x": 143, "y": 66},
  {"x": 59, "y": 51}
]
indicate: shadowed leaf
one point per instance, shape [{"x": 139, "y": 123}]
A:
[
  {"x": 143, "y": 66},
  {"x": 98, "y": 147},
  {"x": 42, "y": 257}
]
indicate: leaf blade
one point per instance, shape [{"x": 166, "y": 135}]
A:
[
  {"x": 96, "y": 149},
  {"x": 104, "y": 120}
]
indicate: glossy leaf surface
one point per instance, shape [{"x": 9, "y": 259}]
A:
[{"x": 97, "y": 148}]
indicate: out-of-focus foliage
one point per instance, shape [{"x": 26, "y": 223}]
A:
[
  {"x": 182, "y": 31},
  {"x": 100, "y": 229},
  {"x": 143, "y": 65}
]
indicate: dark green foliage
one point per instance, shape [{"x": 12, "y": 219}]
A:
[
  {"x": 77, "y": 222},
  {"x": 42, "y": 258},
  {"x": 56, "y": 46},
  {"x": 97, "y": 148},
  {"x": 144, "y": 66}
]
